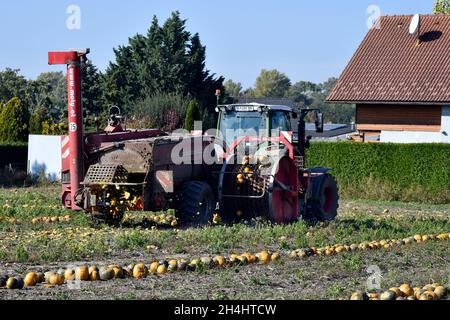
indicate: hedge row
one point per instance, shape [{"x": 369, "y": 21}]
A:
[
  {"x": 13, "y": 153},
  {"x": 416, "y": 172}
]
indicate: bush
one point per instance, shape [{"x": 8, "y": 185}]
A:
[
  {"x": 38, "y": 119},
  {"x": 401, "y": 172},
  {"x": 192, "y": 115},
  {"x": 14, "y": 122},
  {"x": 165, "y": 111}
]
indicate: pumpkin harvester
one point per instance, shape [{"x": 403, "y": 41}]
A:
[{"x": 121, "y": 171}]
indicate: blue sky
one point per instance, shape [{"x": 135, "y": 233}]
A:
[{"x": 307, "y": 40}]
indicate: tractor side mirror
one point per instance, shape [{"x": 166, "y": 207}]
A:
[{"x": 319, "y": 122}]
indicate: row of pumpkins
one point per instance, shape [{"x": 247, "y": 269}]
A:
[
  {"x": 383, "y": 244},
  {"x": 138, "y": 271},
  {"x": 161, "y": 219},
  {"x": 429, "y": 292},
  {"x": 40, "y": 220}
]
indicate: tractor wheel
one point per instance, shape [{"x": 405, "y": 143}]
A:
[
  {"x": 325, "y": 204},
  {"x": 196, "y": 204}
]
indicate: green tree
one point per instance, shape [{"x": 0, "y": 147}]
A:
[
  {"x": 192, "y": 114},
  {"x": 271, "y": 84},
  {"x": 441, "y": 7},
  {"x": 14, "y": 122},
  {"x": 233, "y": 89},
  {"x": 168, "y": 59},
  {"x": 91, "y": 88},
  {"x": 37, "y": 120},
  {"x": 12, "y": 84}
]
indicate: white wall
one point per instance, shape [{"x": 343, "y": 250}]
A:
[
  {"x": 45, "y": 152},
  {"x": 421, "y": 137}
]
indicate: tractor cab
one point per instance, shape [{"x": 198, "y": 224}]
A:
[{"x": 253, "y": 120}]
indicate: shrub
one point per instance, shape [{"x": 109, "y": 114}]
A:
[
  {"x": 403, "y": 172},
  {"x": 38, "y": 119},
  {"x": 192, "y": 115},
  {"x": 14, "y": 122},
  {"x": 165, "y": 111}
]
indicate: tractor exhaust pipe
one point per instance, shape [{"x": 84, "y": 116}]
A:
[{"x": 73, "y": 60}]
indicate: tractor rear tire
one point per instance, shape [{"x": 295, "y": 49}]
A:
[
  {"x": 325, "y": 205},
  {"x": 196, "y": 204}
]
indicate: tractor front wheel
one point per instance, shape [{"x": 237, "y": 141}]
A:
[
  {"x": 196, "y": 204},
  {"x": 325, "y": 203}
]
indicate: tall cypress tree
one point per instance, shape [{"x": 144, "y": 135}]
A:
[{"x": 167, "y": 60}]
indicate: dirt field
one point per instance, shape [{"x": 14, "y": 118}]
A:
[{"x": 25, "y": 246}]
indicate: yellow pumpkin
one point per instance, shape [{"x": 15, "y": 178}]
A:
[
  {"x": 11, "y": 283},
  {"x": 56, "y": 279},
  {"x": 388, "y": 295},
  {"x": 418, "y": 237},
  {"x": 428, "y": 295},
  {"x": 31, "y": 279},
  {"x": 397, "y": 291},
  {"x": 94, "y": 275},
  {"x": 406, "y": 290},
  {"x": 47, "y": 276},
  {"x": 118, "y": 272},
  {"x": 264, "y": 257},
  {"x": 69, "y": 274},
  {"x": 374, "y": 296},
  {"x": 154, "y": 267},
  {"x": 275, "y": 257},
  {"x": 140, "y": 271},
  {"x": 441, "y": 292},
  {"x": 82, "y": 273},
  {"x": 359, "y": 295},
  {"x": 162, "y": 269},
  {"x": 219, "y": 261},
  {"x": 419, "y": 293}
]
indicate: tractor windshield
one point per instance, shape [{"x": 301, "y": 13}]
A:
[{"x": 239, "y": 124}]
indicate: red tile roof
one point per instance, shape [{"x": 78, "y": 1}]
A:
[{"x": 391, "y": 65}]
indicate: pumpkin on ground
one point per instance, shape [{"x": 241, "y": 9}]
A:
[
  {"x": 94, "y": 275},
  {"x": 41, "y": 277},
  {"x": 428, "y": 296},
  {"x": 11, "y": 283},
  {"x": 162, "y": 269},
  {"x": 82, "y": 273},
  {"x": 388, "y": 295},
  {"x": 359, "y": 295},
  {"x": 397, "y": 291},
  {"x": 441, "y": 292},
  {"x": 56, "y": 280},
  {"x": 106, "y": 274},
  {"x": 118, "y": 272},
  {"x": 140, "y": 271},
  {"x": 275, "y": 257},
  {"x": 264, "y": 257},
  {"x": 69, "y": 274},
  {"x": 153, "y": 267},
  {"x": 406, "y": 290},
  {"x": 31, "y": 279}
]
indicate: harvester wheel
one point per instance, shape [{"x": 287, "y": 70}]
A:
[
  {"x": 325, "y": 204},
  {"x": 196, "y": 204}
]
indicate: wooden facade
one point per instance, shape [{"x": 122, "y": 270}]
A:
[{"x": 373, "y": 117}]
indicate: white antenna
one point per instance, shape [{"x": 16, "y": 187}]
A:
[{"x": 414, "y": 27}]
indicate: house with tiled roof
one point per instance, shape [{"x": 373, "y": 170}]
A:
[{"x": 399, "y": 81}]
